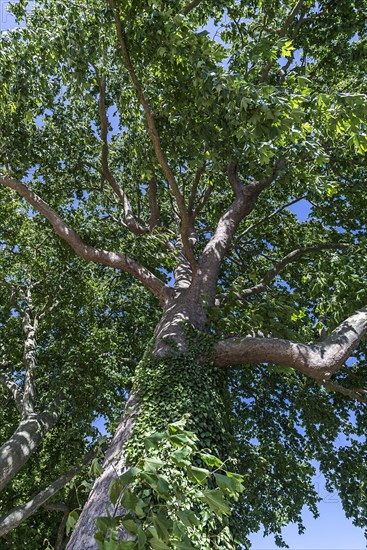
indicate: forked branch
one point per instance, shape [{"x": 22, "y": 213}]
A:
[
  {"x": 112, "y": 259},
  {"x": 245, "y": 200}
]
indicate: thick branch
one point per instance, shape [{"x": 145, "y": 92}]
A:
[
  {"x": 291, "y": 257},
  {"x": 112, "y": 259},
  {"x": 29, "y": 355},
  {"x": 130, "y": 220},
  {"x": 319, "y": 361},
  {"x": 21, "y": 445},
  {"x": 244, "y": 203},
  {"x": 154, "y": 137},
  {"x": 19, "y": 514}
]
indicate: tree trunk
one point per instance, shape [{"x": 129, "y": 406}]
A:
[{"x": 173, "y": 379}]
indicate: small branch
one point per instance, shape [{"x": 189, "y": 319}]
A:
[
  {"x": 291, "y": 257},
  {"x": 354, "y": 393},
  {"x": 155, "y": 139},
  {"x": 192, "y": 5},
  {"x": 112, "y": 259},
  {"x": 318, "y": 361},
  {"x": 131, "y": 222},
  {"x": 19, "y": 514},
  {"x": 267, "y": 218},
  {"x": 291, "y": 17},
  {"x": 14, "y": 389},
  {"x": 199, "y": 172},
  {"x": 281, "y": 33},
  {"x": 203, "y": 200},
  {"x": 153, "y": 203}
]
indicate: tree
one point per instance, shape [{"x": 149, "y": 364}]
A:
[{"x": 158, "y": 150}]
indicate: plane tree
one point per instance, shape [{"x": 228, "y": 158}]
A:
[{"x": 170, "y": 141}]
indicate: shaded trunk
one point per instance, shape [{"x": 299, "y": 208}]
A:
[
  {"x": 21, "y": 445},
  {"x": 170, "y": 381}
]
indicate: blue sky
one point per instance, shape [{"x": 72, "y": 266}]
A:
[{"x": 332, "y": 530}]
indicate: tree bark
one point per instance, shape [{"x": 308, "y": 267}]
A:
[
  {"x": 172, "y": 381},
  {"x": 21, "y": 445},
  {"x": 98, "y": 502}
]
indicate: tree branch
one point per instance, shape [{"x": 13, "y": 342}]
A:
[
  {"x": 29, "y": 355},
  {"x": 318, "y": 361},
  {"x": 17, "y": 450},
  {"x": 281, "y": 33},
  {"x": 14, "y": 389},
  {"x": 267, "y": 218},
  {"x": 199, "y": 172},
  {"x": 130, "y": 220},
  {"x": 191, "y": 6},
  {"x": 354, "y": 393},
  {"x": 291, "y": 257},
  {"x": 112, "y": 259},
  {"x": 153, "y": 203},
  {"x": 155, "y": 139},
  {"x": 244, "y": 203},
  {"x": 19, "y": 514}
]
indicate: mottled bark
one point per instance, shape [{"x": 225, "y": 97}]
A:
[
  {"x": 98, "y": 502},
  {"x": 19, "y": 514},
  {"x": 20, "y": 446}
]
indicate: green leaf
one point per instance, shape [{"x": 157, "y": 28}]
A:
[
  {"x": 115, "y": 490},
  {"x": 198, "y": 475},
  {"x": 187, "y": 517},
  {"x": 162, "y": 525},
  {"x": 158, "y": 544},
  {"x": 128, "y": 476},
  {"x": 71, "y": 521},
  {"x": 152, "y": 441},
  {"x": 181, "y": 440},
  {"x": 214, "y": 498},
  {"x": 229, "y": 485},
  {"x": 211, "y": 460},
  {"x": 181, "y": 456},
  {"x": 130, "y": 525},
  {"x": 132, "y": 502},
  {"x": 152, "y": 464}
]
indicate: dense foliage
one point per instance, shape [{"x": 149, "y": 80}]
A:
[{"x": 138, "y": 122}]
